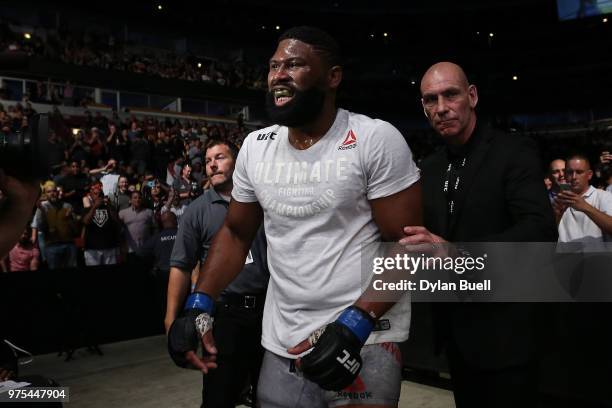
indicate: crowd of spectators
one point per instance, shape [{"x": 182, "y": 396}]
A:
[
  {"x": 109, "y": 52},
  {"x": 111, "y": 181},
  {"x": 113, "y": 178}
]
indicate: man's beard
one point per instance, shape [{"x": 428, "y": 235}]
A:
[{"x": 303, "y": 109}]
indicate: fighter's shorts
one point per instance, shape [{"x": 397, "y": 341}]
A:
[{"x": 281, "y": 385}]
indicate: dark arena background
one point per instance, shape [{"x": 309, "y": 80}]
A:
[{"x": 170, "y": 76}]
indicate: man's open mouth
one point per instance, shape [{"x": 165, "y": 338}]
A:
[{"x": 282, "y": 95}]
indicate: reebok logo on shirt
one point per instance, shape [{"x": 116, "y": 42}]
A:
[{"x": 350, "y": 142}]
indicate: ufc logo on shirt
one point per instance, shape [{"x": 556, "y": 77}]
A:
[{"x": 351, "y": 365}]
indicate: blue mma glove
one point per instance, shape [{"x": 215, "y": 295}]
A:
[
  {"x": 187, "y": 330},
  {"x": 335, "y": 360}
]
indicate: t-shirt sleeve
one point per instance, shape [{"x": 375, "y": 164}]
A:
[
  {"x": 243, "y": 190},
  {"x": 606, "y": 202},
  {"x": 37, "y": 220},
  {"x": 388, "y": 161},
  {"x": 188, "y": 238}
]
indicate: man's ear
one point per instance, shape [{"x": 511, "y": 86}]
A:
[
  {"x": 473, "y": 96},
  {"x": 334, "y": 76},
  {"x": 424, "y": 110}
]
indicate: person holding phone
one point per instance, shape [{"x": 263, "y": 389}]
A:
[{"x": 584, "y": 213}]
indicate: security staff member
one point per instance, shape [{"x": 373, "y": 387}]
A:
[{"x": 239, "y": 309}]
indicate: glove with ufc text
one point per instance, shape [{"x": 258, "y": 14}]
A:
[
  {"x": 187, "y": 330},
  {"x": 335, "y": 360}
]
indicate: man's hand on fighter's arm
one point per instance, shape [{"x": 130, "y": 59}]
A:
[
  {"x": 224, "y": 262},
  {"x": 348, "y": 333}
]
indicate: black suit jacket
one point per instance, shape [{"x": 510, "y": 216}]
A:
[{"x": 501, "y": 199}]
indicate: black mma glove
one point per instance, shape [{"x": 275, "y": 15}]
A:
[
  {"x": 335, "y": 362},
  {"x": 187, "y": 330}
]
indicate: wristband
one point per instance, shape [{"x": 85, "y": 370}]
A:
[
  {"x": 201, "y": 301},
  {"x": 357, "y": 321}
]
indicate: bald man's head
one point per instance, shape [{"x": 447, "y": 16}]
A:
[
  {"x": 449, "y": 101},
  {"x": 557, "y": 171},
  {"x": 446, "y": 70}
]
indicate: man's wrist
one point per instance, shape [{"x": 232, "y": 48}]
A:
[
  {"x": 200, "y": 301},
  {"x": 357, "y": 321},
  {"x": 586, "y": 208}
]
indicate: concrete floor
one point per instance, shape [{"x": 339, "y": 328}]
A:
[{"x": 138, "y": 373}]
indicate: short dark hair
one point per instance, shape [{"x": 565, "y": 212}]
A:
[
  {"x": 323, "y": 43},
  {"x": 231, "y": 146}
]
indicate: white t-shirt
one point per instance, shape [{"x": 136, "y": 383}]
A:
[
  {"x": 317, "y": 217},
  {"x": 576, "y": 226},
  {"x": 109, "y": 184}
]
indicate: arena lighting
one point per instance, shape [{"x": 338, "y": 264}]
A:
[
  {"x": 371, "y": 35},
  {"x": 604, "y": 20},
  {"x": 413, "y": 82},
  {"x": 27, "y": 36},
  {"x": 159, "y": 7},
  {"x": 491, "y": 34},
  {"x": 385, "y": 35},
  {"x": 277, "y": 28},
  {"x": 75, "y": 131},
  {"x": 199, "y": 65},
  {"x": 515, "y": 78}
]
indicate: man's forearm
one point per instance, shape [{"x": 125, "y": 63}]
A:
[
  {"x": 601, "y": 219},
  {"x": 391, "y": 215},
  {"x": 178, "y": 287},
  {"x": 223, "y": 263},
  {"x": 96, "y": 171},
  {"x": 373, "y": 301},
  {"x": 374, "y": 309}
]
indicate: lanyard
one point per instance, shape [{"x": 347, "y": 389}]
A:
[{"x": 450, "y": 192}]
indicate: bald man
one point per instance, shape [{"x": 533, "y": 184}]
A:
[
  {"x": 484, "y": 186},
  {"x": 557, "y": 170}
]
